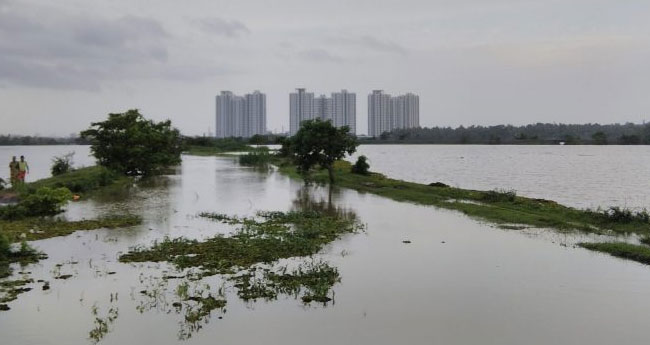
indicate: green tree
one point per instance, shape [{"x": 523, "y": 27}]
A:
[
  {"x": 319, "y": 143},
  {"x": 599, "y": 138},
  {"x": 129, "y": 143}
]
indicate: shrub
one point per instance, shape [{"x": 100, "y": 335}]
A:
[
  {"x": 259, "y": 156},
  {"x": 361, "y": 167},
  {"x": 499, "y": 195},
  {"x": 44, "y": 202},
  {"x": 132, "y": 145},
  {"x": 624, "y": 215},
  {"x": 62, "y": 164},
  {"x": 5, "y": 247}
]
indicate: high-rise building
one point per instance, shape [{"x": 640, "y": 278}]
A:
[
  {"x": 323, "y": 108},
  {"x": 301, "y": 108},
  {"x": 379, "y": 110},
  {"x": 341, "y": 109},
  {"x": 344, "y": 110},
  {"x": 240, "y": 116},
  {"x": 386, "y": 113},
  {"x": 256, "y": 114}
]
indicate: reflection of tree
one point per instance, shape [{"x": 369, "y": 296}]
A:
[{"x": 322, "y": 199}]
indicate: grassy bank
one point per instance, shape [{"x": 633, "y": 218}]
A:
[
  {"x": 639, "y": 253},
  {"x": 83, "y": 182},
  {"x": 31, "y": 229}
]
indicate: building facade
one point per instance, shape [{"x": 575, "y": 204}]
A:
[
  {"x": 240, "y": 116},
  {"x": 344, "y": 110},
  {"x": 386, "y": 113},
  {"x": 341, "y": 109},
  {"x": 301, "y": 108}
]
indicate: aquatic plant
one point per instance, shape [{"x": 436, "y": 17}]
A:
[
  {"x": 312, "y": 282},
  {"x": 102, "y": 324}
]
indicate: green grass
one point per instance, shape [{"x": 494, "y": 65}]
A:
[
  {"x": 501, "y": 208},
  {"x": 80, "y": 181},
  {"x": 639, "y": 253}
]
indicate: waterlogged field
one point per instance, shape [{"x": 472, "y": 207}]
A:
[{"x": 402, "y": 273}]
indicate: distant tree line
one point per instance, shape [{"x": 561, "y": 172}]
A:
[
  {"x": 539, "y": 133},
  {"x": 36, "y": 140}
]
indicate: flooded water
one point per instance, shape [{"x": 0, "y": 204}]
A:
[
  {"x": 459, "y": 281},
  {"x": 580, "y": 176}
]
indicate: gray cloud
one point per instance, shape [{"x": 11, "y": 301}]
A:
[
  {"x": 382, "y": 45},
  {"x": 318, "y": 55},
  {"x": 368, "y": 42},
  {"x": 220, "y": 26},
  {"x": 82, "y": 53}
]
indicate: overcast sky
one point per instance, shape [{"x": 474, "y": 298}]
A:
[{"x": 66, "y": 63}]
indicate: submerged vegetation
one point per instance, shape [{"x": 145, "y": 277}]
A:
[
  {"x": 247, "y": 262},
  {"x": 276, "y": 235},
  {"x": 312, "y": 281}
]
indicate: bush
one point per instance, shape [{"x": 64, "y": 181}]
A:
[
  {"x": 499, "y": 195},
  {"x": 361, "y": 167},
  {"x": 44, "y": 202},
  {"x": 62, "y": 164},
  {"x": 259, "y": 156},
  {"x": 3, "y": 184},
  {"x": 623, "y": 215},
  {"x": 5, "y": 247},
  {"x": 132, "y": 145}
]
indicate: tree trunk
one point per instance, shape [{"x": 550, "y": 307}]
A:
[{"x": 330, "y": 170}]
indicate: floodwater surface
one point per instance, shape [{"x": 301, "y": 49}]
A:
[
  {"x": 458, "y": 281},
  {"x": 574, "y": 175}
]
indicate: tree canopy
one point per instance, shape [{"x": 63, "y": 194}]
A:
[
  {"x": 133, "y": 145},
  {"x": 318, "y": 142}
]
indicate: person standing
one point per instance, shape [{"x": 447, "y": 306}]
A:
[
  {"x": 13, "y": 171},
  {"x": 23, "y": 169}
]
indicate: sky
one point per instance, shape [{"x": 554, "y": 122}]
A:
[{"x": 67, "y": 63}]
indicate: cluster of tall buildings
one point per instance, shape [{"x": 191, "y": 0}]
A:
[
  {"x": 386, "y": 113},
  {"x": 245, "y": 116},
  {"x": 240, "y": 116},
  {"x": 341, "y": 109}
]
